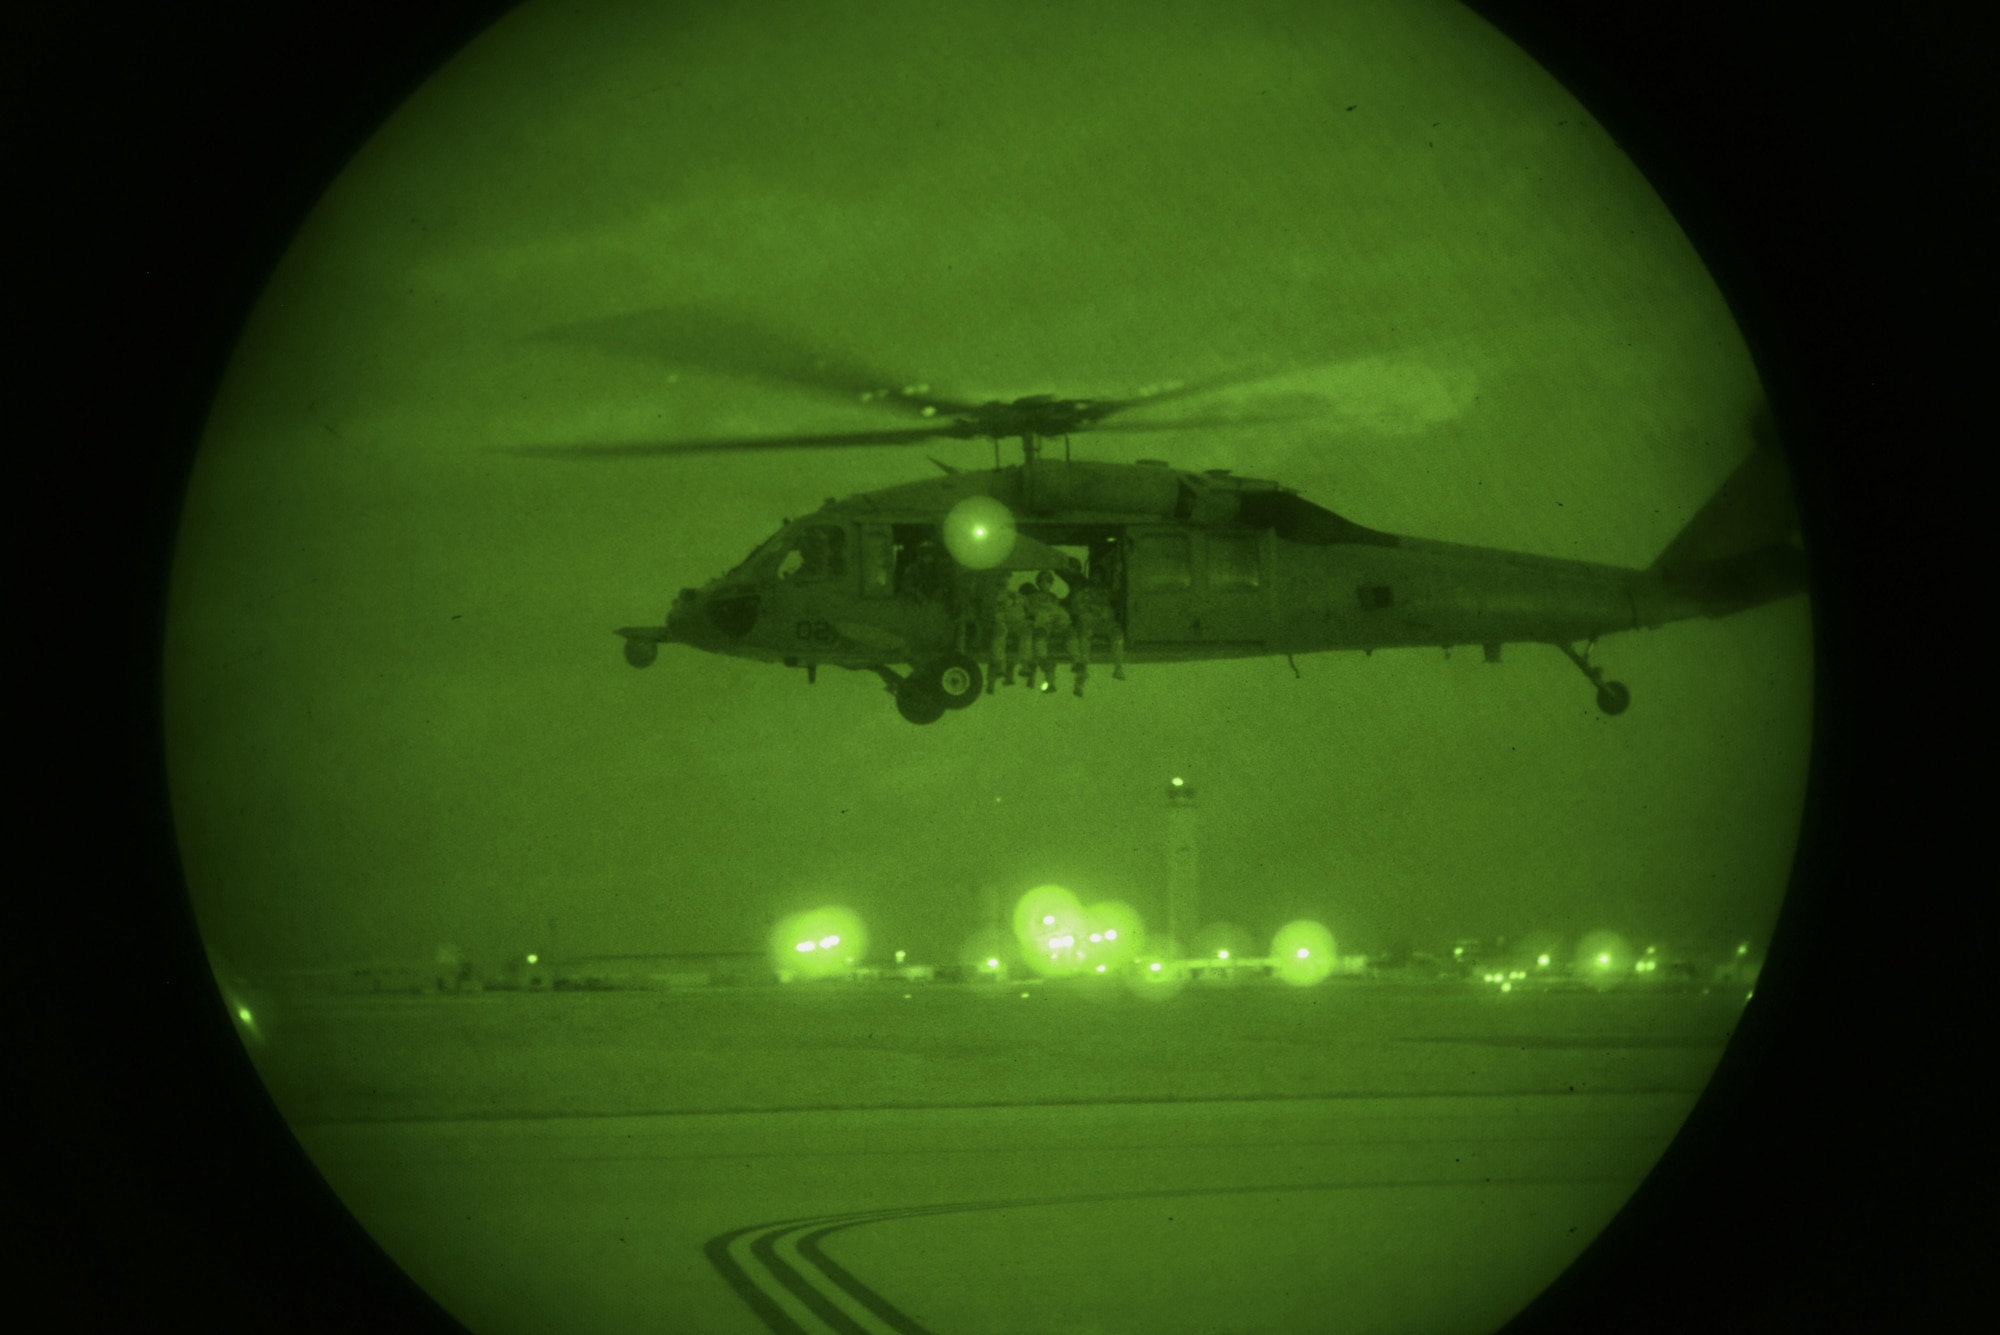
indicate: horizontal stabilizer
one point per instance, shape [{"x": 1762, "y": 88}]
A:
[{"x": 1751, "y": 512}]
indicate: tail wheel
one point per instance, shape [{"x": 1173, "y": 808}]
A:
[
  {"x": 1613, "y": 698},
  {"x": 641, "y": 653}
]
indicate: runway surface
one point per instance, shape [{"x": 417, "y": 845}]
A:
[{"x": 1357, "y": 1158}]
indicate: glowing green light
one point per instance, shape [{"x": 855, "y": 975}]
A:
[
  {"x": 1048, "y": 919},
  {"x": 1604, "y": 959},
  {"x": 1542, "y": 961},
  {"x": 243, "y": 1014},
  {"x": 1100, "y": 968},
  {"x": 803, "y": 944},
  {"x": 1506, "y": 987},
  {"x": 979, "y": 532},
  {"x": 1222, "y": 954},
  {"x": 1111, "y": 934},
  {"x": 1177, "y": 783},
  {"x": 1096, "y": 936},
  {"x": 1303, "y": 953},
  {"x": 993, "y": 964},
  {"x": 533, "y": 958},
  {"x": 1743, "y": 949},
  {"x": 1156, "y": 967}
]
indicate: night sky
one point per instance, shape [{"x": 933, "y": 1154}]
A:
[{"x": 398, "y": 716}]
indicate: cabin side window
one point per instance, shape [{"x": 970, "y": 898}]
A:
[
  {"x": 1234, "y": 561},
  {"x": 878, "y": 561},
  {"x": 1161, "y": 561}
]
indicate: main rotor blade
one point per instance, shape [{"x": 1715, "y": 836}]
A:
[
  {"x": 1103, "y": 408},
  {"x": 712, "y": 341},
  {"x": 1204, "y": 423},
  {"x": 740, "y": 445}
]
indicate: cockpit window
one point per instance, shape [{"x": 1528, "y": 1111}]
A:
[
  {"x": 764, "y": 553},
  {"x": 815, "y": 552}
]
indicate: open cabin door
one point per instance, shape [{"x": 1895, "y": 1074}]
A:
[{"x": 1193, "y": 587}]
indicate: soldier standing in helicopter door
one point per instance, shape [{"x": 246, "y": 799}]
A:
[
  {"x": 1010, "y": 627},
  {"x": 1090, "y": 607},
  {"x": 1051, "y": 628}
]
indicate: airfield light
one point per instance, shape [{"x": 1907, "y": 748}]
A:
[
  {"x": 1222, "y": 954},
  {"x": 1605, "y": 959},
  {"x": 243, "y": 1014},
  {"x": 533, "y": 958},
  {"x": 992, "y": 963},
  {"x": 1743, "y": 949},
  {"x": 1048, "y": 919},
  {"x": 1542, "y": 961},
  {"x": 899, "y": 957},
  {"x": 1304, "y": 952},
  {"x": 819, "y": 942},
  {"x": 1096, "y": 937},
  {"x": 1506, "y": 987},
  {"x": 1111, "y": 934},
  {"x": 1178, "y": 783},
  {"x": 1100, "y": 968},
  {"x": 1156, "y": 966}
]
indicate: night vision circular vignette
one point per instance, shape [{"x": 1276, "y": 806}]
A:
[{"x": 1038, "y": 668}]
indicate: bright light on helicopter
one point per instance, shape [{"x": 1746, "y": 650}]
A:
[{"x": 979, "y": 532}]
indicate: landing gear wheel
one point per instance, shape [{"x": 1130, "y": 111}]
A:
[
  {"x": 955, "y": 680},
  {"x": 918, "y": 703},
  {"x": 1613, "y": 698},
  {"x": 641, "y": 653}
]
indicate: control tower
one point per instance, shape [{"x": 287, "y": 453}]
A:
[{"x": 1183, "y": 897}]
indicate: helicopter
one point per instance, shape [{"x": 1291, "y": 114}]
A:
[{"x": 1197, "y": 565}]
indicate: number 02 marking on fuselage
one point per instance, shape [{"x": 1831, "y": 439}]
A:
[{"x": 818, "y": 632}]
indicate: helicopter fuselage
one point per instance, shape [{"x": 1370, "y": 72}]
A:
[{"x": 1197, "y": 565}]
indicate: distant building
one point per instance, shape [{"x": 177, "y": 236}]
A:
[{"x": 678, "y": 969}]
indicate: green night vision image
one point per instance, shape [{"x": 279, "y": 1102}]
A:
[{"x": 988, "y": 668}]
